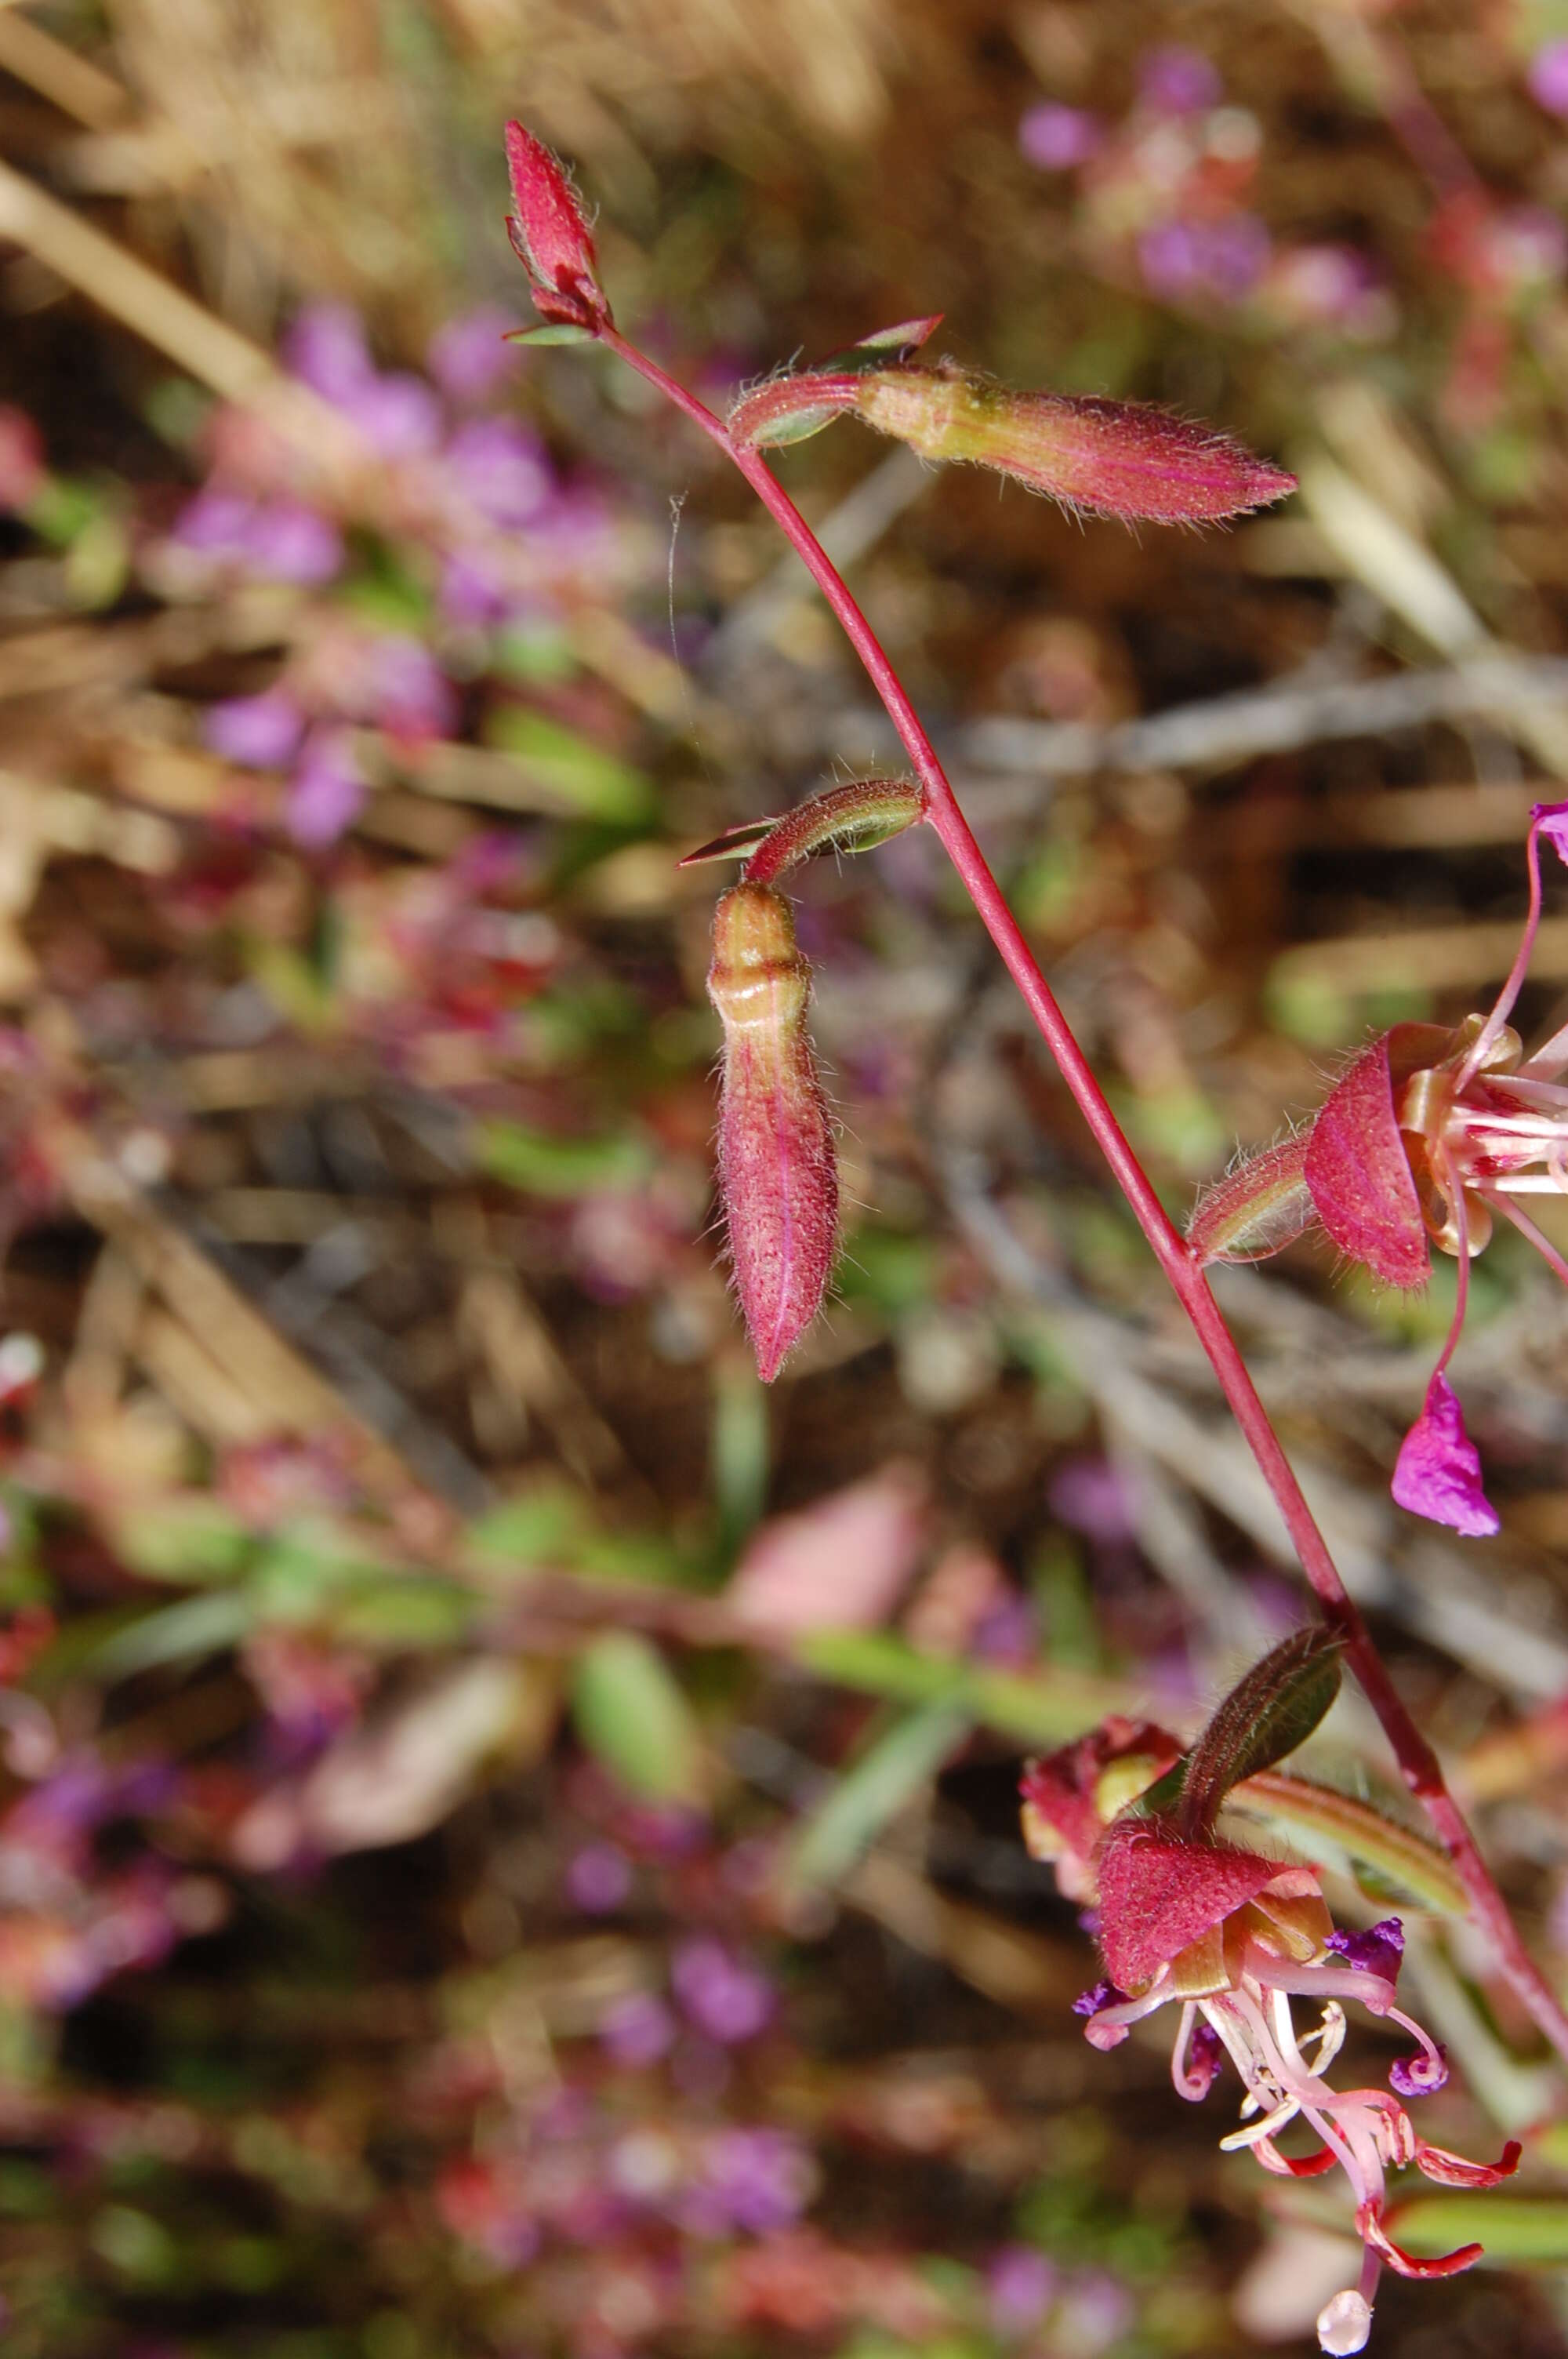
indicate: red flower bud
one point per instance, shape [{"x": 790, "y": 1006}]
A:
[
  {"x": 1112, "y": 458},
  {"x": 778, "y": 1175},
  {"x": 550, "y": 235}
]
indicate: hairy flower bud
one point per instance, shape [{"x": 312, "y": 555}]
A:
[
  {"x": 1113, "y": 458},
  {"x": 550, "y": 235},
  {"x": 777, "y": 1171}
]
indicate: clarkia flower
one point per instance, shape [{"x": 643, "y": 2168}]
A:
[
  {"x": 1235, "y": 1942},
  {"x": 1428, "y": 1135}
]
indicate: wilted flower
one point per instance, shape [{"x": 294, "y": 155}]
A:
[{"x": 1428, "y": 1135}]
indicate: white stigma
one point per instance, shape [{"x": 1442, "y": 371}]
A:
[{"x": 1344, "y": 2324}]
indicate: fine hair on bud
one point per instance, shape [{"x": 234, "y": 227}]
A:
[{"x": 778, "y": 1178}]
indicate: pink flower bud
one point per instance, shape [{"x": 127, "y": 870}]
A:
[
  {"x": 550, "y": 237},
  {"x": 777, "y": 1171},
  {"x": 1112, "y": 458}
]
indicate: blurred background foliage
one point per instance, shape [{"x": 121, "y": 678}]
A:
[{"x": 510, "y": 1834}]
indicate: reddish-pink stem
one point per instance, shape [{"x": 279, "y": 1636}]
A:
[{"x": 1417, "y": 1761}]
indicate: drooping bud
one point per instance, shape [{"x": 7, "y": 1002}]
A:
[
  {"x": 550, "y": 235},
  {"x": 1256, "y": 1210},
  {"x": 778, "y": 1175},
  {"x": 1110, "y": 457}
]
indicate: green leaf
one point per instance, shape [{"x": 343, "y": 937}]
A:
[
  {"x": 896, "y": 1766},
  {"x": 218, "y": 1618},
  {"x": 1317, "y": 1817},
  {"x": 1045, "y": 1707},
  {"x": 404, "y": 1612},
  {"x": 1269, "y": 1712},
  {"x": 583, "y": 778},
  {"x": 550, "y": 332},
  {"x": 1511, "y": 2227},
  {"x": 633, "y": 1716},
  {"x": 543, "y": 1165},
  {"x": 187, "y": 1540},
  {"x": 883, "y": 348},
  {"x": 543, "y": 1526}
]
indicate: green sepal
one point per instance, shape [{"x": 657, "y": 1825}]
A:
[{"x": 550, "y": 332}]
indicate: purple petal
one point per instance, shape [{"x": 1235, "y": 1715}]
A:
[
  {"x": 1438, "y": 1473},
  {"x": 263, "y": 731},
  {"x": 1418, "y": 2076},
  {"x": 326, "y": 791},
  {"x": 1021, "y": 2283},
  {"x": 409, "y": 693},
  {"x": 1178, "y": 80},
  {"x": 1168, "y": 256},
  {"x": 1551, "y": 819},
  {"x": 637, "y": 2030},
  {"x": 326, "y": 347},
  {"x": 727, "y": 2000},
  {"x": 598, "y": 1879},
  {"x": 215, "y": 522},
  {"x": 1057, "y": 139},
  {"x": 1104, "y": 1993},
  {"x": 470, "y": 595},
  {"x": 290, "y": 542},
  {"x": 398, "y": 414},
  {"x": 468, "y": 358},
  {"x": 1379, "y": 1951},
  {"x": 1547, "y": 78},
  {"x": 500, "y": 468},
  {"x": 1205, "y": 2053}
]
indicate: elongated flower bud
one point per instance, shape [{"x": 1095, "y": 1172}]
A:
[
  {"x": 550, "y": 235},
  {"x": 778, "y": 1174},
  {"x": 1113, "y": 458}
]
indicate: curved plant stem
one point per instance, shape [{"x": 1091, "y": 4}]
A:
[{"x": 1417, "y": 1761}]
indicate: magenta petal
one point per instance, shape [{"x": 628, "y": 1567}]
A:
[
  {"x": 1360, "y": 1175},
  {"x": 1439, "y": 1469},
  {"x": 1551, "y": 819}
]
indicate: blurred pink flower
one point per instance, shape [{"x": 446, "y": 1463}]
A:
[
  {"x": 326, "y": 791},
  {"x": 466, "y": 357},
  {"x": 1546, "y": 76},
  {"x": 263, "y": 731},
  {"x": 1058, "y": 139}
]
